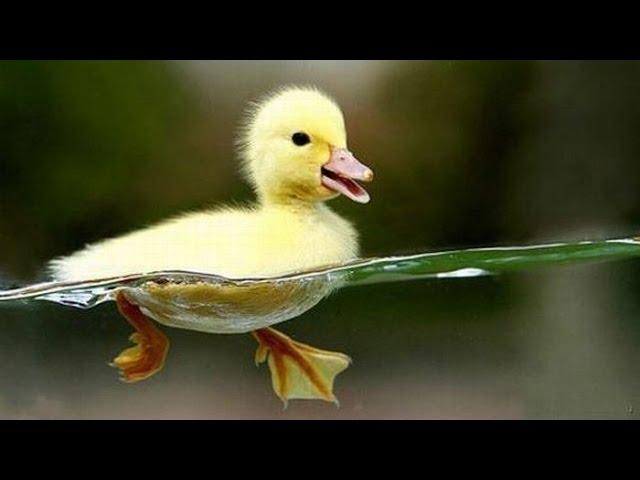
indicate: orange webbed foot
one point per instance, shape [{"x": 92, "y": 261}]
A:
[
  {"x": 299, "y": 370},
  {"x": 148, "y": 355}
]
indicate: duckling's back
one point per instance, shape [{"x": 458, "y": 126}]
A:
[{"x": 236, "y": 243}]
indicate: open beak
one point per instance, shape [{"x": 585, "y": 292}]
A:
[{"x": 341, "y": 172}]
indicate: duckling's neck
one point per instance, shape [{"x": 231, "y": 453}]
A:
[
  {"x": 291, "y": 202},
  {"x": 294, "y": 205}
]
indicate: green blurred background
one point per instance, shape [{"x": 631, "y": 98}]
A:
[{"x": 466, "y": 153}]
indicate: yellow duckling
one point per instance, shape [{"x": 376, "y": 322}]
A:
[{"x": 294, "y": 150}]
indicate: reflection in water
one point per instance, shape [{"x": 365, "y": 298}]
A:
[{"x": 215, "y": 304}]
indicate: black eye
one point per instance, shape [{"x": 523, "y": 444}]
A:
[{"x": 300, "y": 138}]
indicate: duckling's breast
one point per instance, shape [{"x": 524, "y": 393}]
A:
[{"x": 293, "y": 241}]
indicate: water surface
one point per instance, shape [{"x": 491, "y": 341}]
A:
[{"x": 487, "y": 334}]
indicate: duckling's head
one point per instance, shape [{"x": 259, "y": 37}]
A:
[{"x": 295, "y": 148}]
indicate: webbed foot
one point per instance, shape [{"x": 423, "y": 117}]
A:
[
  {"x": 147, "y": 356},
  {"x": 299, "y": 370}
]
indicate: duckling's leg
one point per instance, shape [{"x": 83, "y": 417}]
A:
[
  {"x": 148, "y": 355},
  {"x": 298, "y": 370}
]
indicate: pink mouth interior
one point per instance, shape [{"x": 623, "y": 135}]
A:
[{"x": 344, "y": 185}]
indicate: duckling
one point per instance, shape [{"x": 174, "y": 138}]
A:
[{"x": 294, "y": 153}]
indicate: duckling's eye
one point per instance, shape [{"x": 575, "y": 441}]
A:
[{"x": 300, "y": 138}]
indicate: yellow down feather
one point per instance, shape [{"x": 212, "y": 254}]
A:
[{"x": 289, "y": 229}]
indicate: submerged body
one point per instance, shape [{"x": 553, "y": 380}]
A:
[{"x": 227, "y": 308}]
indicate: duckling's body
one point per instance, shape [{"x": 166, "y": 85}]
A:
[
  {"x": 263, "y": 241},
  {"x": 295, "y": 156}
]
